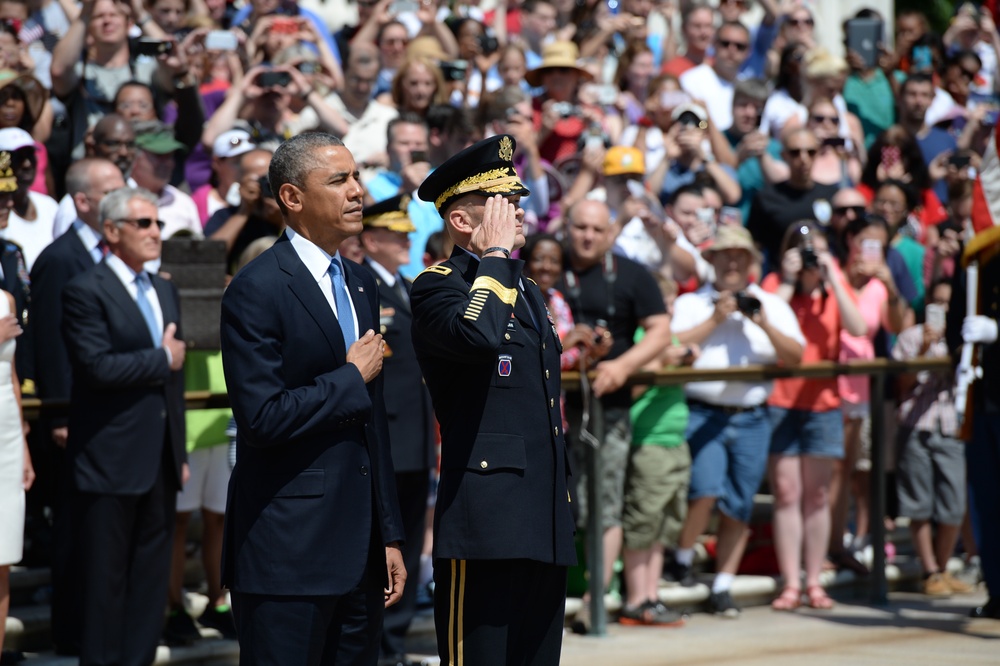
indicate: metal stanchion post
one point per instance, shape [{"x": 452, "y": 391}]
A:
[
  {"x": 879, "y": 587},
  {"x": 595, "y": 533}
]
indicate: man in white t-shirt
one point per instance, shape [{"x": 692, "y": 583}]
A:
[
  {"x": 32, "y": 219},
  {"x": 713, "y": 84},
  {"x": 735, "y": 323}
]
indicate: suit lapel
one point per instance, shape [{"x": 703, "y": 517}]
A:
[
  {"x": 170, "y": 309},
  {"x": 118, "y": 295},
  {"x": 307, "y": 291},
  {"x": 83, "y": 258}
]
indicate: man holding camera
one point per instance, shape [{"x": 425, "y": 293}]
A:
[{"x": 735, "y": 323}]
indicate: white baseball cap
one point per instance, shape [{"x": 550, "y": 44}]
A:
[
  {"x": 230, "y": 144},
  {"x": 15, "y": 138}
]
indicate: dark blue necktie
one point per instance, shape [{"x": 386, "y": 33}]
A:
[
  {"x": 343, "y": 301},
  {"x": 146, "y": 308}
]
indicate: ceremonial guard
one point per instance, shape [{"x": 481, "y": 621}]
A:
[
  {"x": 408, "y": 409},
  {"x": 503, "y": 533}
]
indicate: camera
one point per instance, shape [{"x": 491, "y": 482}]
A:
[
  {"x": 454, "y": 70},
  {"x": 488, "y": 44},
  {"x": 265, "y": 187},
  {"x": 599, "y": 337},
  {"x": 747, "y": 304},
  {"x": 691, "y": 119},
  {"x": 809, "y": 258},
  {"x": 565, "y": 109},
  {"x": 273, "y": 79},
  {"x": 153, "y": 47}
]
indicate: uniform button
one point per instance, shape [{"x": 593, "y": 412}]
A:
[
  {"x": 364, "y": 471},
  {"x": 556, "y": 429},
  {"x": 546, "y": 374},
  {"x": 506, "y": 336},
  {"x": 543, "y": 345},
  {"x": 484, "y": 464},
  {"x": 552, "y": 402}
]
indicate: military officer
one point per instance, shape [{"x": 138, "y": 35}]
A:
[
  {"x": 503, "y": 534},
  {"x": 407, "y": 403}
]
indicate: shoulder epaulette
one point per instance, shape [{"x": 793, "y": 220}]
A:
[{"x": 436, "y": 268}]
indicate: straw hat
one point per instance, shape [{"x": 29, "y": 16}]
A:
[
  {"x": 426, "y": 47},
  {"x": 557, "y": 55},
  {"x": 731, "y": 237}
]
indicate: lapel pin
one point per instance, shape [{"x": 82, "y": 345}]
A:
[{"x": 361, "y": 289}]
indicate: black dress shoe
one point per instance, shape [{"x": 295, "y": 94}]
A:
[{"x": 990, "y": 610}]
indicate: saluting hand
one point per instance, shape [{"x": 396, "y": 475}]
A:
[
  {"x": 366, "y": 354},
  {"x": 498, "y": 228}
]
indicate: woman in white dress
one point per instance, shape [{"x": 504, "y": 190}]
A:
[{"x": 16, "y": 473}]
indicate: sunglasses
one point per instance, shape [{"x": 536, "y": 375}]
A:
[
  {"x": 142, "y": 222},
  {"x": 859, "y": 211},
  {"x": 738, "y": 3},
  {"x": 800, "y": 22},
  {"x": 799, "y": 152},
  {"x": 818, "y": 119},
  {"x": 739, "y": 46}
]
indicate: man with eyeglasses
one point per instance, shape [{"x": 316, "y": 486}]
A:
[
  {"x": 112, "y": 139},
  {"x": 126, "y": 432},
  {"x": 778, "y": 205},
  {"x": 74, "y": 252},
  {"x": 762, "y": 36},
  {"x": 713, "y": 84}
]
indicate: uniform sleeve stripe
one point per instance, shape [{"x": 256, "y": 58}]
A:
[{"x": 506, "y": 295}]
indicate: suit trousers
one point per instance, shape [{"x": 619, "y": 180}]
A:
[
  {"x": 67, "y": 579},
  {"x": 125, "y": 563},
  {"x": 499, "y": 612},
  {"x": 411, "y": 489},
  {"x": 283, "y": 630}
]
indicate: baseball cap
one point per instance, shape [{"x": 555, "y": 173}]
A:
[
  {"x": 621, "y": 160},
  {"x": 15, "y": 138},
  {"x": 233, "y": 143}
]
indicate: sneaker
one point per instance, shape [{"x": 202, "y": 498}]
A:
[
  {"x": 971, "y": 572},
  {"x": 721, "y": 603},
  {"x": 220, "y": 620},
  {"x": 180, "y": 629},
  {"x": 935, "y": 585},
  {"x": 650, "y": 614},
  {"x": 680, "y": 574},
  {"x": 957, "y": 586}
]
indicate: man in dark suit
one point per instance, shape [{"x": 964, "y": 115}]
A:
[
  {"x": 503, "y": 533},
  {"x": 407, "y": 403},
  {"x": 313, "y": 530},
  {"x": 76, "y": 251},
  {"x": 126, "y": 433}
]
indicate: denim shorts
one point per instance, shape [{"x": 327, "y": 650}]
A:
[
  {"x": 801, "y": 432},
  {"x": 728, "y": 456}
]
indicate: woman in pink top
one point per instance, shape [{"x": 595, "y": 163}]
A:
[
  {"x": 807, "y": 427},
  {"x": 878, "y": 299}
]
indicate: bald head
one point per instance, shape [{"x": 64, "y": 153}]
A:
[
  {"x": 87, "y": 181},
  {"x": 113, "y": 138}
]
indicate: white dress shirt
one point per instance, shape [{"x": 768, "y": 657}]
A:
[
  {"x": 317, "y": 261},
  {"x": 127, "y": 277}
]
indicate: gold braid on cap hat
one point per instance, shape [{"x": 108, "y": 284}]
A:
[{"x": 495, "y": 181}]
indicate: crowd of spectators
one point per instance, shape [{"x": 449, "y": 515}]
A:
[{"x": 709, "y": 186}]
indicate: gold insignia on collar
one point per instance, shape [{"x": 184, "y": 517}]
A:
[
  {"x": 506, "y": 149},
  {"x": 4, "y": 161},
  {"x": 436, "y": 268},
  {"x": 404, "y": 203}
]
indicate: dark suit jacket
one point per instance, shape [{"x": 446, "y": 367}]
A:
[
  {"x": 312, "y": 454},
  {"x": 407, "y": 401},
  {"x": 495, "y": 382},
  {"x": 126, "y": 404},
  {"x": 16, "y": 283},
  {"x": 58, "y": 263}
]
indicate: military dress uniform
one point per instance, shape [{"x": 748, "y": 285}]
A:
[
  {"x": 983, "y": 449},
  {"x": 503, "y": 533},
  {"x": 410, "y": 419}
]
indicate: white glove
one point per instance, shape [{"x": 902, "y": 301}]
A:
[{"x": 979, "y": 329}]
